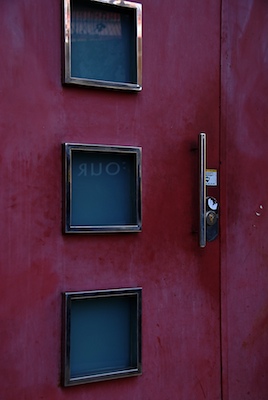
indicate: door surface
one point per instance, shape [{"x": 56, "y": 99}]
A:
[
  {"x": 204, "y": 310},
  {"x": 244, "y": 185}
]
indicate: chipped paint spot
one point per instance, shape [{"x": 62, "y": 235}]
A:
[{"x": 259, "y": 213}]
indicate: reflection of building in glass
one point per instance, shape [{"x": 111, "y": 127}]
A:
[
  {"x": 102, "y": 44},
  {"x": 94, "y": 23}
]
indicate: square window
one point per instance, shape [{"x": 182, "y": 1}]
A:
[
  {"x": 102, "y": 335},
  {"x": 103, "y": 43},
  {"x": 102, "y": 186}
]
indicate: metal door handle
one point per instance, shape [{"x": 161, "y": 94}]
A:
[{"x": 202, "y": 188}]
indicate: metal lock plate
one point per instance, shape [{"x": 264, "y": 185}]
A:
[{"x": 212, "y": 217}]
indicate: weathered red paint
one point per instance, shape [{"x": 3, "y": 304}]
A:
[
  {"x": 181, "y": 282},
  {"x": 244, "y": 193}
]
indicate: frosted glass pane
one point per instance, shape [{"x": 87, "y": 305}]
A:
[
  {"x": 101, "y": 335},
  {"x": 103, "y": 189},
  {"x": 103, "y": 45}
]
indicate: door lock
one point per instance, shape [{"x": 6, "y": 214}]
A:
[
  {"x": 208, "y": 206},
  {"x": 212, "y": 217}
]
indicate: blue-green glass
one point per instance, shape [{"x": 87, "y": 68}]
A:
[
  {"x": 103, "y": 42},
  {"x": 103, "y": 334},
  {"x": 103, "y": 189}
]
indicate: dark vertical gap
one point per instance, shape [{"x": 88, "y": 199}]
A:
[{"x": 220, "y": 195}]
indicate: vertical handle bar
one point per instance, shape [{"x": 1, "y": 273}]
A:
[{"x": 202, "y": 189}]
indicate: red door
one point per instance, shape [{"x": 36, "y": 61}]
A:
[
  {"x": 204, "y": 315},
  {"x": 244, "y": 185}
]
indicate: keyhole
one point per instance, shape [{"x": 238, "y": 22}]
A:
[{"x": 211, "y": 218}]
